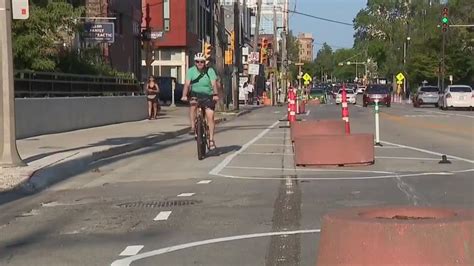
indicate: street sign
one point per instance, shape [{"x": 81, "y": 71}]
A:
[
  {"x": 307, "y": 77},
  {"x": 99, "y": 32},
  {"x": 399, "y": 82},
  {"x": 156, "y": 34},
  {"x": 254, "y": 69},
  {"x": 400, "y": 76},
  {"x": 306, "y": 82},
  {"x": 254, "y": 56},
  {"x": 451, "y": 78},
  {"x": 20, "y": 9}
]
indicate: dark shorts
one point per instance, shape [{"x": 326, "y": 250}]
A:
[{"x": 203, "y": 100}]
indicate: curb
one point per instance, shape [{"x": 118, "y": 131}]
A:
[{"x": 44, "y": 177}]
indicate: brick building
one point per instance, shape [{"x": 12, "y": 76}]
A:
[
  {"x": 306, "y": 46},
  {"x": 124, "y": 53},
  {"x": 185, "y": 25}
]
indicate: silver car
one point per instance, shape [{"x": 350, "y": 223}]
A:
[{"x": 426, "y": 95}]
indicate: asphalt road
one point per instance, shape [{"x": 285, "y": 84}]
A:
[{"x": 246, "y": 204}]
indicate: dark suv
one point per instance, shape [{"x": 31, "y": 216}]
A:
[{"x": 380, "y": 92}]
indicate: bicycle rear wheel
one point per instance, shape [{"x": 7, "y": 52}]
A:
[{"x": 201, "y": 137}]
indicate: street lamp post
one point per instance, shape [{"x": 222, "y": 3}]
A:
[{"x": 9, "y": 156}]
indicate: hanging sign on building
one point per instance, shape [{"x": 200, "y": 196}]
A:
[{"x": 99, "y": 32}]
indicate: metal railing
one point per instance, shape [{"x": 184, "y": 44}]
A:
[{"x": 49, "y": 84}]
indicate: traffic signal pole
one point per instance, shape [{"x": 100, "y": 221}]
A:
[
  {"x": 9, "y": 156},
  {"x": 235, "y": 76},
  {"x": 147, "y": 43}
]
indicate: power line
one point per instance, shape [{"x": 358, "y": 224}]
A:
[{"x": 320, "y": 18}]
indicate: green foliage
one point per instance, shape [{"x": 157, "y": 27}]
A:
[
  {"x": 39, "y": 40},
  {"x": 384, "y": 25},
  {"x": 44, "y": 41}
]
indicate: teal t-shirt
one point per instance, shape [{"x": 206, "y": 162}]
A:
[{"x": 204, "y": 85}]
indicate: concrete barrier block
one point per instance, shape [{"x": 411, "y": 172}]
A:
[
  {"x": 397, "y": 235},
  {"x": 317, "y": 127},
  {"x": 356, "y": 149}
]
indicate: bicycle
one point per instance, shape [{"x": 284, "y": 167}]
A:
[{"x": 201, "y": 129}]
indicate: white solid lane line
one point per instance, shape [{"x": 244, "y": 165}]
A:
[
  {"x": 186, "y": 194},
  {"x": 267, "y": 153},
  {"x": 162, "y": 216},
  {"x": 408, "y": 158},
  {"x": 229, "y": 158},
  {"x": 129, "y": 260},
  {"x": 204, "y": 182},
  {"x": 451, "y": 114},
  {"x": 131, "y": 250},
  {"x": 428, "y": 152}
]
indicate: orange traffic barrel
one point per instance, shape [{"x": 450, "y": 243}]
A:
[{"x": 397, "y": 236}]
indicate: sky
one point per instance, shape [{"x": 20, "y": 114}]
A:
[{"x": 337, "y": 36}]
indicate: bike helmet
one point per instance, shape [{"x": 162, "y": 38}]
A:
[{"x": 199, "y": 57}]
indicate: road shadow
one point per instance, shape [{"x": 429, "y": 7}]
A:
[
  {"x": 135, "y": 146},
  {"x": 223, "y": 150}
]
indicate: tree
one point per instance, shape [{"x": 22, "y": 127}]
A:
[
  {"x": 384, "y": 25},
  {"x": 39, "y": 41},
  {"x": 324, "y": 61}
]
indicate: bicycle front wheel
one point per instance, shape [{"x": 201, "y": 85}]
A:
[{"x": 201, "y": 138}]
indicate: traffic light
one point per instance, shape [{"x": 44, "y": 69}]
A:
[
  {"x": 146, "y": 34},
  {"x": 264, "y": 51},
  {"x": 232, "y": 40},
  {"x": 207, "y": 51},
  {"x": 445, "y": 19},
  {"x": 229, "y": 57}
]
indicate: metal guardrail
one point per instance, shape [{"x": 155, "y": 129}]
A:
[{"x": 49, "y": 84}]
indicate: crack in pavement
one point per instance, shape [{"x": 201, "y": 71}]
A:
[{"x": 286, "y": 249}]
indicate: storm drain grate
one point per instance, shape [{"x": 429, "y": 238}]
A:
[{"x": 158, "y": 204}]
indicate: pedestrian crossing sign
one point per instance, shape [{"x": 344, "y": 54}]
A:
[
  {"x": 307, "y": 77},
  {"x": 400, "y": 76}
]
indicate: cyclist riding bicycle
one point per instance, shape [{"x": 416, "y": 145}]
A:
[{"x": 201, "y": 86}]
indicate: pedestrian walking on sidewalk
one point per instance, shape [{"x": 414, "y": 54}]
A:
[
  {"x": 152, "y": 93},
  {"x": 250, "y": 90}
]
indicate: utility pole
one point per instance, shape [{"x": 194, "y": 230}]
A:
[
  {"x": 9, "y": 156},
  {"x": 284, "y": 53},
  {"x": 274, "y": 60},
  {"x": 237, "y": 56},
  {"x": 443, "y": 63},
  {"x": 147, "y": 43},
  {"x": 257, "y": 26},
  {"x": 257, "y": 33}
]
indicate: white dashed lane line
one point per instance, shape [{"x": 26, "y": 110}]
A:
[
  {"x": 186, "y": 194},
  {"x": 162, "y": 216},
  {"x": 204, "y": 182}
]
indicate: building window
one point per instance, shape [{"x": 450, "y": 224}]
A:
[
  {"x": 166, "y": 15},
  {"x": 170, "y": 55}
]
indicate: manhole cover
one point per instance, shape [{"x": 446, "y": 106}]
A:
[{"x": 158, "y": 204}]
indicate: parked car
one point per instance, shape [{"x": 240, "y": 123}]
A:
[
  {"x": 317, "y": 93},
  {"x": 426, "y": 95},
  {"x": 456, "y": 96},
  {"x": 351, "y": 96},
  {"x": 379, "y": 92}
]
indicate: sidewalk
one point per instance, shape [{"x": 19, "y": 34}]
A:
[{"x": 64, "y": 153}]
